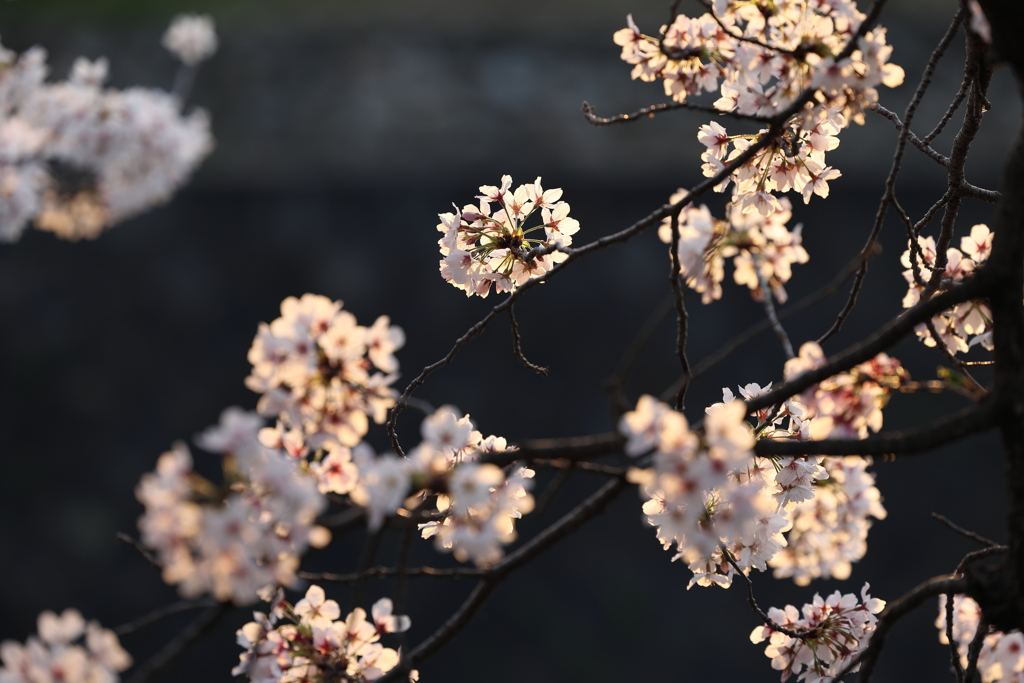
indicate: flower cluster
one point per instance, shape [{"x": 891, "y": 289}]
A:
[
  {"x": 1001, "y": 659},
  {"x": 762, "y": 248},
  {"x": 846, "y": 405},
  {"x": 485, "y": 244},
  {"x": 833, "y": 631},
  {"x": 60, "y": 653},
  {"x": 76, "y": 158},
  {"x": 234, "y": 539},
  {"x": 707, "y": 492},
  {"x": 314, "y": 644},
  {"x": 830, "y": 530},
  {"x": 761, "y": 58},
  {"x": 313, "y": 368},
  {"x": 191, "y": 38},
  {"x": 470, "y": 506},
  {"x": 970, "y": 320}
]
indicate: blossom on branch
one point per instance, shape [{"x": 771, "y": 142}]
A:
[
  {"x": 485, "y": 244},
  {"x": 833, "y": 632}
]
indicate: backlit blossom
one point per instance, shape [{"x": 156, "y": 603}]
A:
[
  {"x": 66, "y": 649},
  {"x": 486, "y": 245}
]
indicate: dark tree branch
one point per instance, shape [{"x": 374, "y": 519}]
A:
[
  {"x": 162, "y": 613},
  {"x": 676, "y": 281},
  {"x": 632, "y": 353},
  {"x": 969, "y": 421}
]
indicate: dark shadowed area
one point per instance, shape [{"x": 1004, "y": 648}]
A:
[{"x": 342, "y": 130}]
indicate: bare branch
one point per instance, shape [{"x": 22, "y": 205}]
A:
[
  {"x": 158, "y": 665},
  {"x": 517, "y": 346},
  {"x": 962, "y": 531},
  {"x": 649, "y": 112},
  {"x": 676, "y": 281},
  {"x": 162, "y": 613}
]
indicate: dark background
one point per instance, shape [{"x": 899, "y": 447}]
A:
[{"x": 342, "y": 130}]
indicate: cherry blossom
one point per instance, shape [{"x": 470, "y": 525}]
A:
[
  {"x": 78, "y": 158},
  {"x": 760, "y": 59},
  {"x": 485, "y": 244},
  {"x": 315, "y": 644},
  {"x": 834, "y": 630},
  {"x": 762, "y": 248},
  {"x": 231, "y": 541},
  {"x": 969, "y": 323},
  {"x": 315, "y": 368},
  {"x": 66, "y": 649}
]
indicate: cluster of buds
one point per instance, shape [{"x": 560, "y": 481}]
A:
[
  {"x": 830, "y": 529},
  {"x": 308, "y": 641},
  {"x": 761, "y": 57},
  {"x": 485, "y": 244},
  {"x": 762, "y": 248},
  {"x": 61, "y": 653},
  {"x": 1001, "y": 659},
  {"x": 849, "y": 404},
  {"x": 234, "y": 539},
  {"x": 313, "y": 368},
  {"x": 970, "y": 320},
  {"x": 77, "y": 158},
  {"x": 831, "y": 634},
  {"x": 470, "y": 506}
]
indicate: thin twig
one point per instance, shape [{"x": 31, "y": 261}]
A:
[
  {"x": 142, "y": 550},
  {"x": 649, "y": 112},
  {"x": 792, "y": 633},
  {"x": 965, "y": 85},
  {"x": 373, "y": 539},
  {"x": 157, "y": 665},
  {"x": 914, "y": 140},
  {"x": 553, "y": 487},
  {"x": 517, "y": 346},
  {"x": 962, "y": 531},
  {"x": 632, "y": 353},
  {"x": 161, "y": 613},
  {"x": 676, "y": 281},
  {"x": 769, "y": 309}
]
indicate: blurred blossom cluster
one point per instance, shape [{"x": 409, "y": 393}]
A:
[
  {"x": 847, "y": 405},
  {"x": 233, "y": 539},
  {"x": 308, "y": 641},
  {"x": 1001, "y": 659},
  {"x": 971, "y": 320},
  {"x": 76, "y": 158},
  {"x": 321, "y": 374},
  {"x": 719, "y": 504},
  {"x": 762, "y": 248},
  {"x": 191, "y": 38},
  {"x": 66, "y": 650},
  {"x": 762, "y": 58},
  {"x": 832, "y": 632},
  {"x": 485, "y": 245}
]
